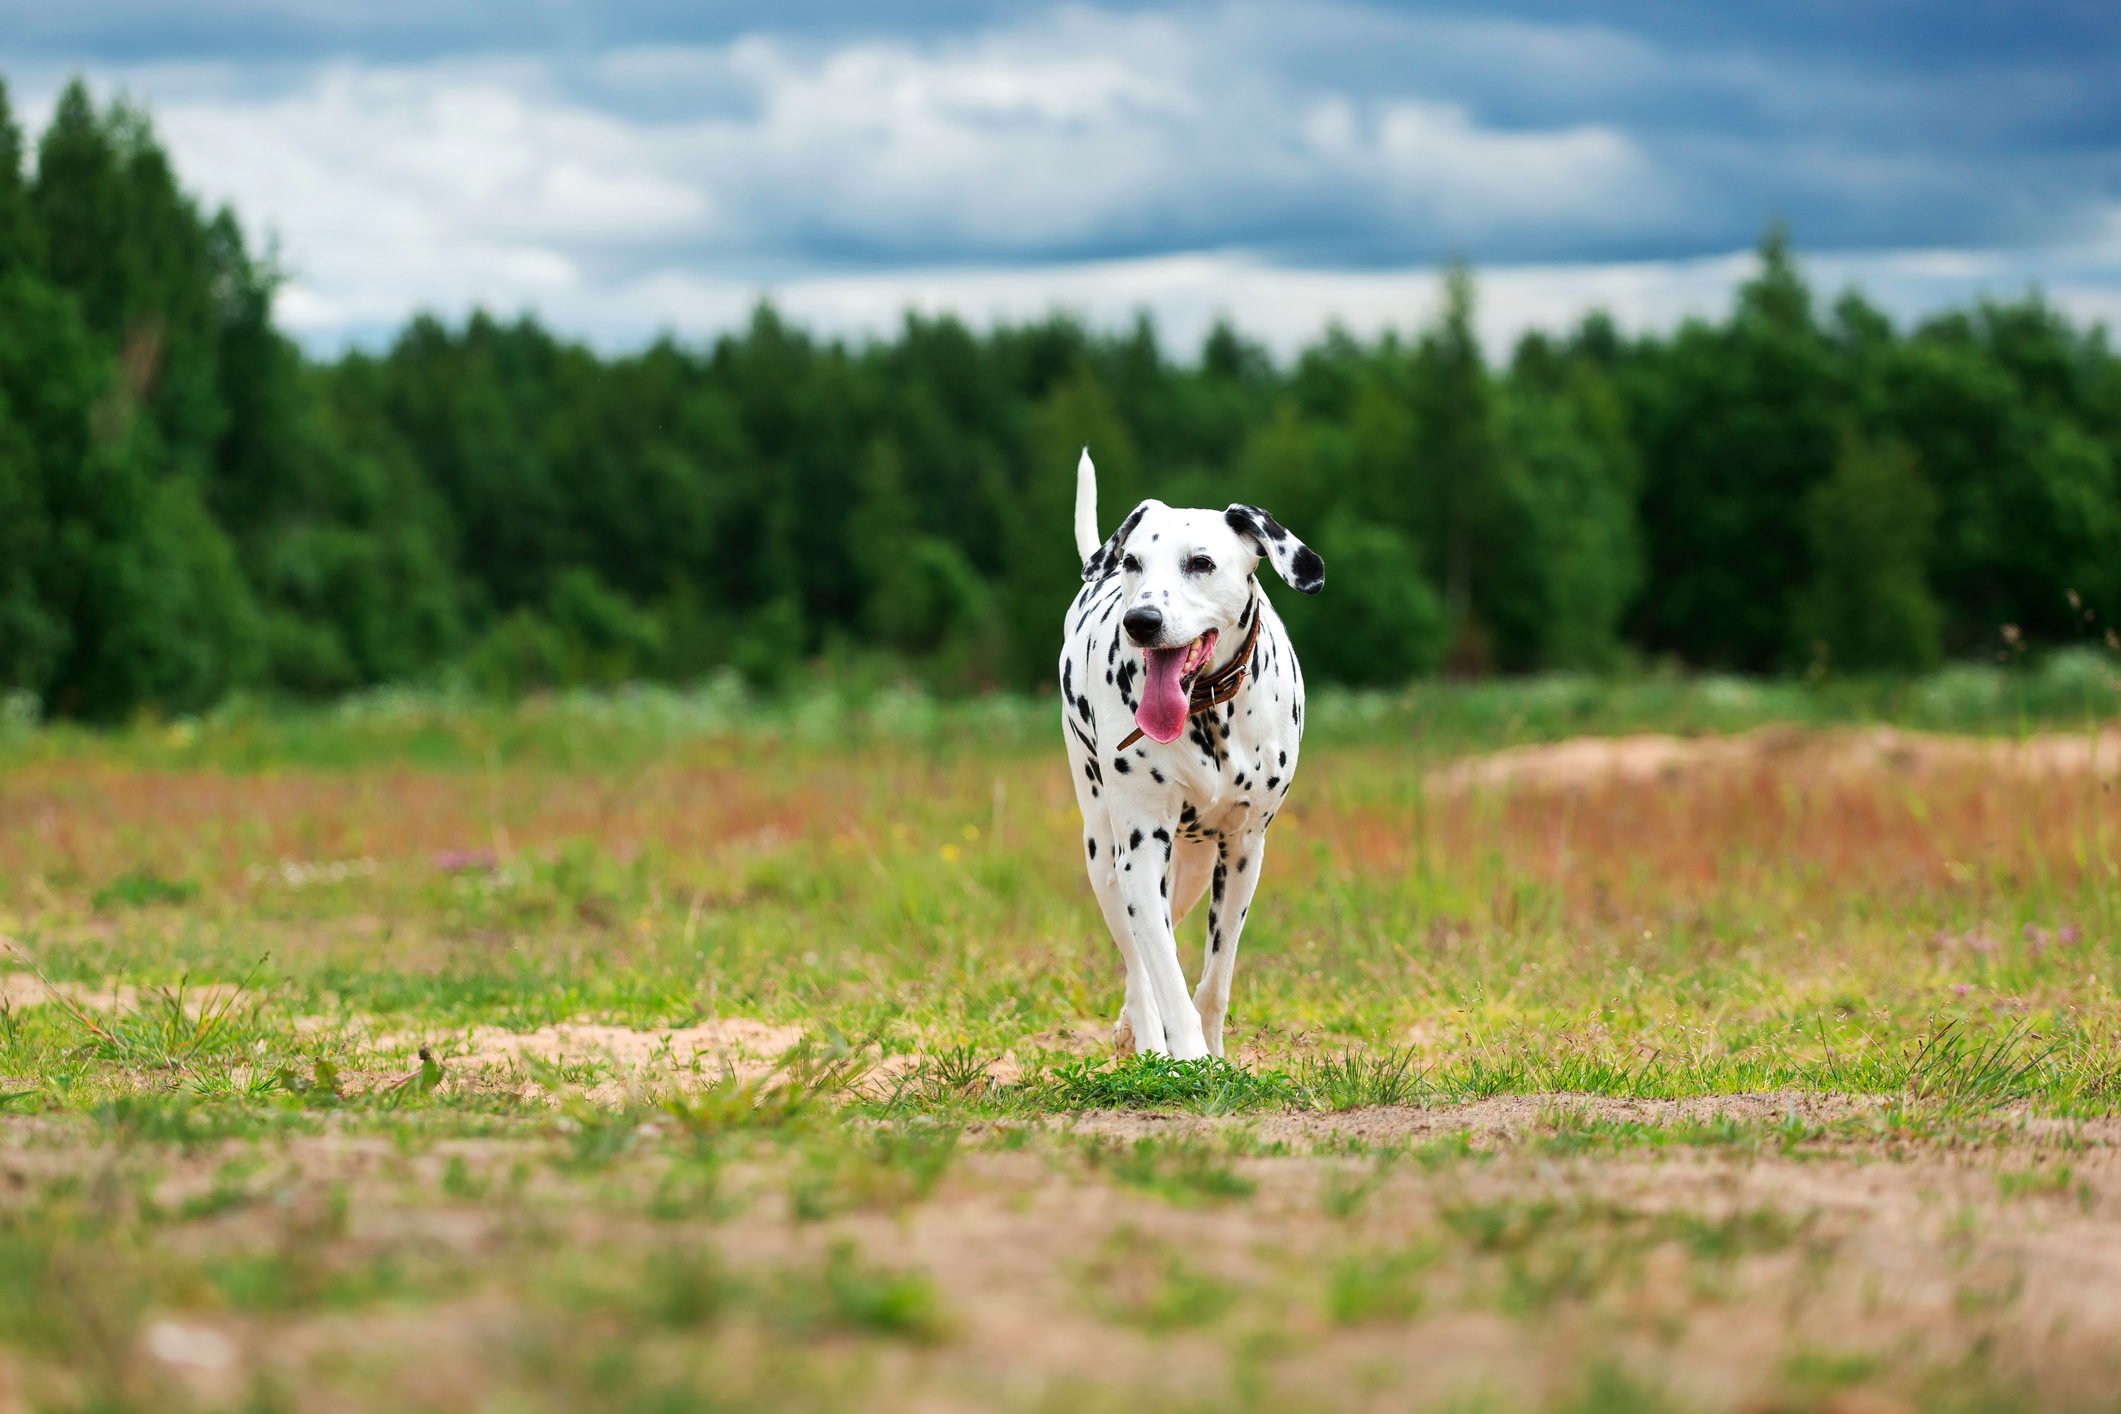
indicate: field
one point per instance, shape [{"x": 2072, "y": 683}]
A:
[{"x": 642, "y": 1053}]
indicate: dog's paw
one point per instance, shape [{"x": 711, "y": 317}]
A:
[{"x": 1123, "y": 1034}]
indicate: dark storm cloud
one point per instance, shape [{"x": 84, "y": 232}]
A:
[
  {"x": 621, "y": 165},
  {"x": 1861, "y": 124}
]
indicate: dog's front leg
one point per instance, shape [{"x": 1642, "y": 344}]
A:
[
  {"x": 1143, "y": 851},
  {"x": 1237, "y": 865}
]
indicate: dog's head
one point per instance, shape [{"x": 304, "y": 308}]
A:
[{"x": 1187, "y": 582}]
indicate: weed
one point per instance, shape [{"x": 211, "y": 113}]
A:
[
  {"x": 1506, "y": 1225},
  {"x": 143, "y": 888},
  {"x": 1609, "y": 1389},
  {"x": 173, "y": 1119},
  {"x": 1357, "y": 1080},
  {"x": 683, "y": 1287},
  {"x": 1815, "y": 1371},
  {"x": 596, "y": 1137},
  {"x": 1138, "y": 1281},
  {"x": 888, "y": 1167},
  {"x": 1377, "y": 1286},
  {"x": 1178, "y": 1171},
  {"x": 851, "y": 1293},
  {"x": 1739, "y": 1234},
  {"x": 1152, "y": 1082},
  {"x": 1346, "y": 1190},
  {"x": 458, "y": 1183},
  {"x": 1966, "y": 1074},
  {"x": 2036, "y": 1182},
  {"x": 173, "y": 1032}
]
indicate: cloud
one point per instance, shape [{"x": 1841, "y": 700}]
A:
[
  {"x": 1186, "y": 295},
  {"x": 620, "y": 170},
  {"x": 1079, "y": 134}
]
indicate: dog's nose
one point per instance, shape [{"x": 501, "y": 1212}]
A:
[{"x": 1144, "y": 623}]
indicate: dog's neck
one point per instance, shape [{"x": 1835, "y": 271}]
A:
[{"x": 1231, "y": 641}]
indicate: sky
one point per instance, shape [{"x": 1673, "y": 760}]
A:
[{"x": 637, "y": 166}]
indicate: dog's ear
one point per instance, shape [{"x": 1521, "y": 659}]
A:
[
  {"x": 1293, "y": 560},
  {"x": 1105, "y": 558}
]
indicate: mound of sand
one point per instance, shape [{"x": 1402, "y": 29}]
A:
[{"x": 1587, "y": 761}]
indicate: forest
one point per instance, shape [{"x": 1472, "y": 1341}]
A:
[{"x": 191, "y": 505}]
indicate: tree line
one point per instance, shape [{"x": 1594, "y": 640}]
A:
[{"x": 189, "y": 505}]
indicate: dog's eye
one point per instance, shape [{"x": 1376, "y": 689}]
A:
[
  {"x": 1131, "y": 565},
  {"x": 1200, "y": 564}
]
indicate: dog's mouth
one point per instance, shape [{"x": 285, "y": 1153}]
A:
[{"x": 1168, "y": 684}]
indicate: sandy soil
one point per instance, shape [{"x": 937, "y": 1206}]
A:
[
  {"x": 1584, "y": 761},
  {"x": 1899, "y": 1270}
]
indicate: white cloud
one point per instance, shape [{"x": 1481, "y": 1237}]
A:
[
  {"x": 1287, "y": 308},
  {"x": 515, "y": 181}
]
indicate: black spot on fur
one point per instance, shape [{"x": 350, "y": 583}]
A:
[
  {"x": 1119, "y": 764},
  {"x": 1163, "y": 886},
  {"x": 1242, "y": 862},
  {"x": 1093, "y": 847},
  {"x": 1310, "y": 571},
  {"x": 1273, "y": 781},
  {"x": 1186, "y": 813},
  {"x": 1156, "y": 775},
  {"x": 1130, "y": 910},
  {"x": 1105, "y": 559},
  {"x": 1134, "y": 841},
  {"x": 1285, "y": 758}
]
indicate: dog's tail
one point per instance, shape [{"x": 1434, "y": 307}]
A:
[{"x": 1086, "y": 537}]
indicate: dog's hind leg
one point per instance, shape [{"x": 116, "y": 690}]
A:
[
  {"x": 1236, "y": 876},
  {"x": 1191, "y": 865}
]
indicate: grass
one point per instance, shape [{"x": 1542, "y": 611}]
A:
[{"x": 253, "y": 1075}]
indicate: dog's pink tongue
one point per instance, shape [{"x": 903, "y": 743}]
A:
[{"x": 1162, "y": 715}]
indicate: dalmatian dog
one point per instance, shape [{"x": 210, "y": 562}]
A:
[{"x": 1184, "y": 709}]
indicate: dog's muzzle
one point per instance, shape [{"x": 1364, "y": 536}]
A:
[{"x": 1144, "y": 624}]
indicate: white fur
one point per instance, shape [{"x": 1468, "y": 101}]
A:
[{"x": 1162, "y": 824}]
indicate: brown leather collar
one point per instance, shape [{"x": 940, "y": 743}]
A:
[{"x": 1215, "y": 691}]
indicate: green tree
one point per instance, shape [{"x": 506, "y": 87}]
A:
[
  {"x": 1457, "y": 462},
  {"x": 1736, "y": 424},
  {"x": 1868, "y": 606},
  {"x": 1383, "y": 624}
]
